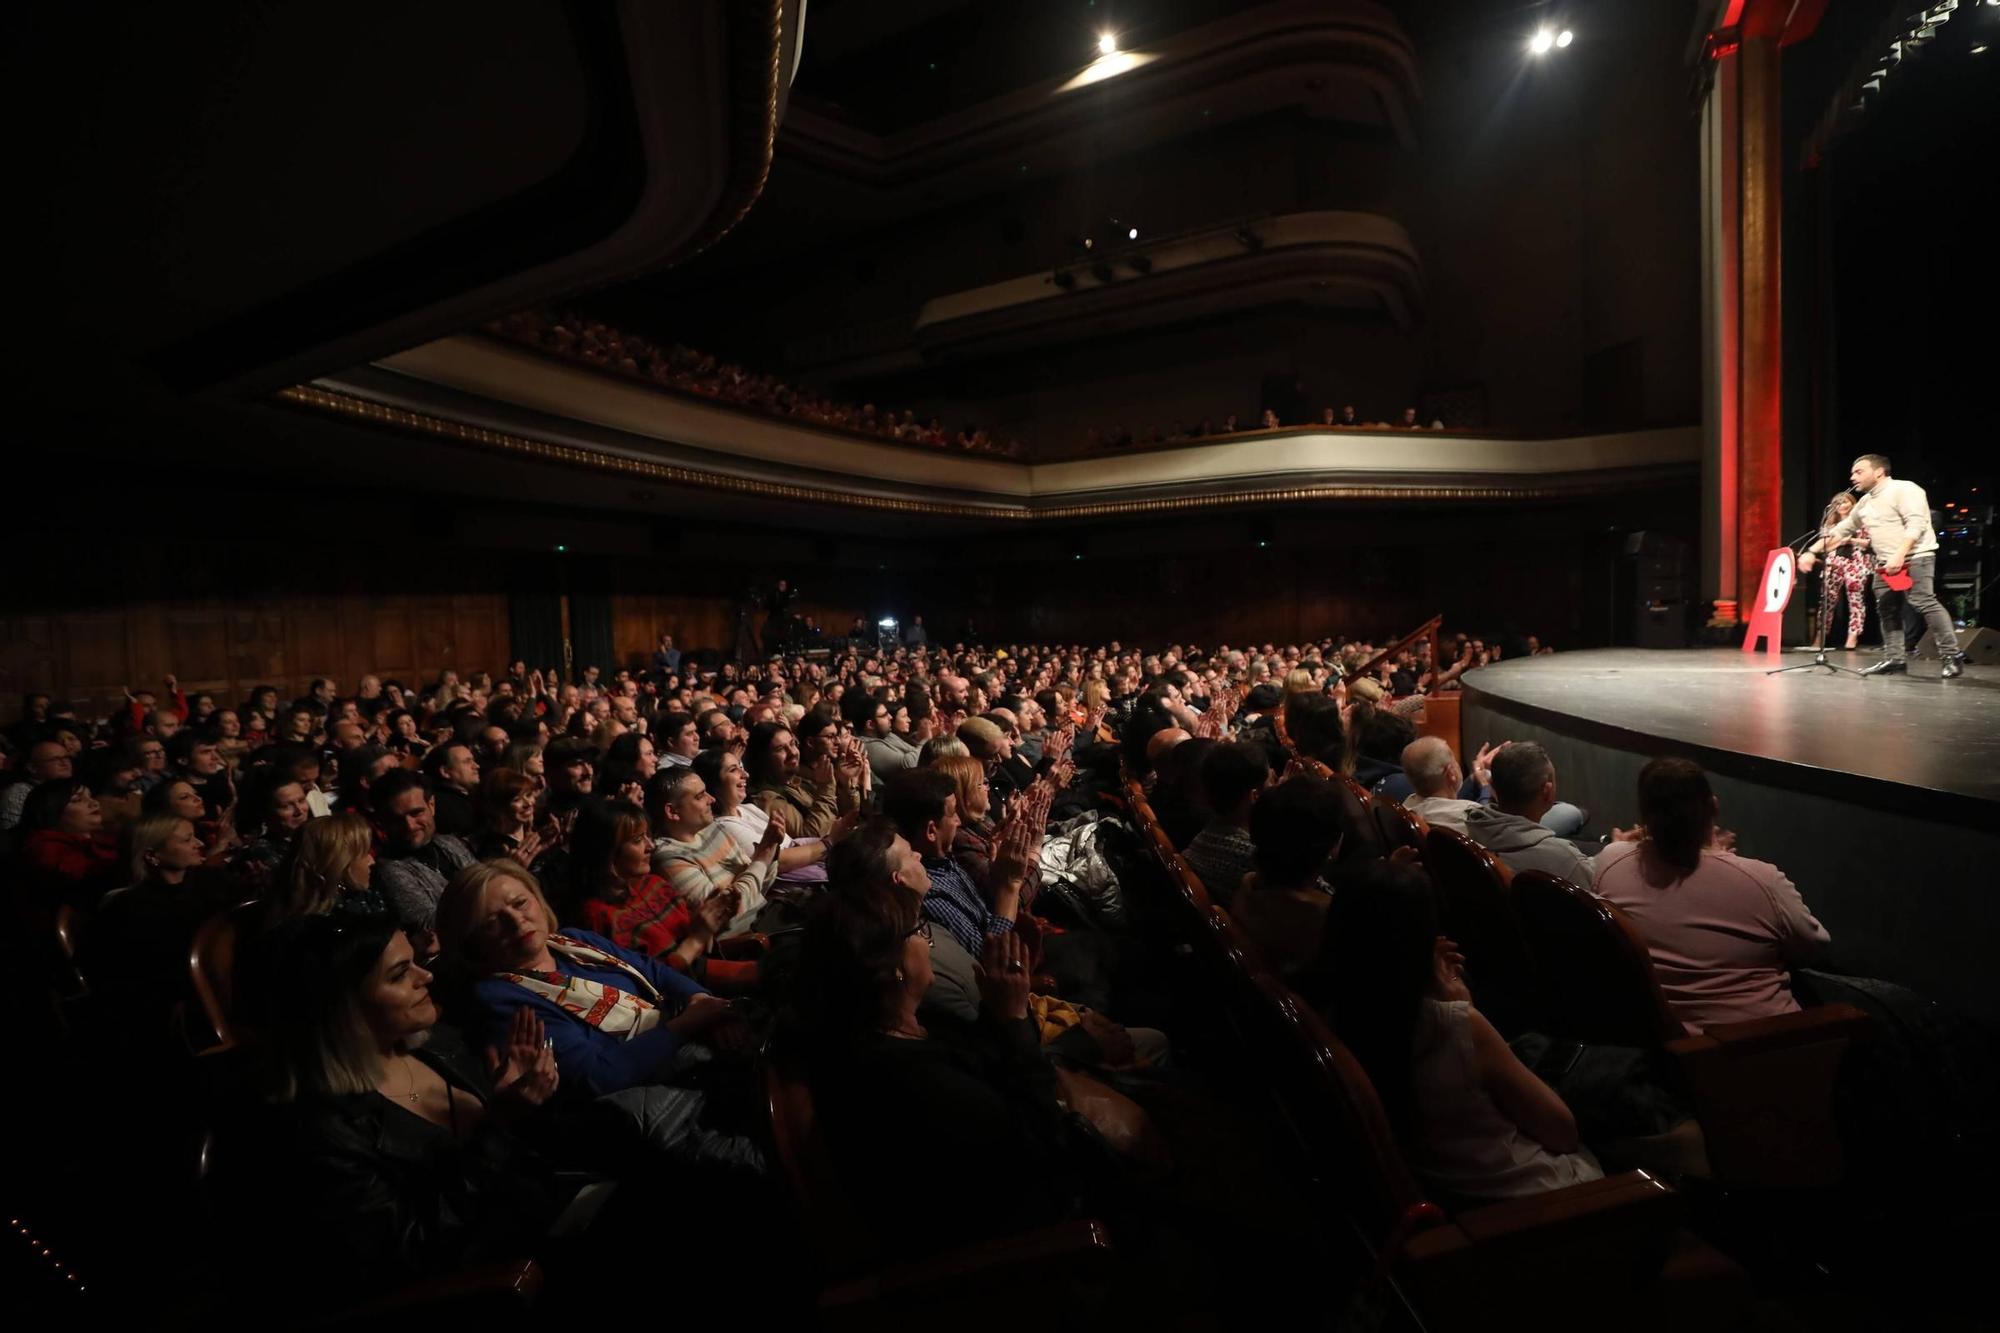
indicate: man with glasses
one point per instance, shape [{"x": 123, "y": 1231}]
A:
[
  {"x": 875, "y": 722},
  {"x": 48, "y": 761}
]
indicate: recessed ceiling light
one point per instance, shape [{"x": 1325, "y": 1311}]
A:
[
  {"x": 1107, "y": 44},
  {"x": 1541, "y": 42},
  {"x": 1565, "y": 37}
]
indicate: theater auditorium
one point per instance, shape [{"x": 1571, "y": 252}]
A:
[{"x": 974, "y": 664}]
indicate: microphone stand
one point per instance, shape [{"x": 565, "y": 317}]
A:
[{"x": 1819, "y": 661}]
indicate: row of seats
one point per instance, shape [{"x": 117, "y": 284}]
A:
[{"x": 1566, "y": 1257}]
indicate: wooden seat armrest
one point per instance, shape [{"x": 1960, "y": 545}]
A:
[
  {"x": 494, "y": 1288},
  {"x": 1763, "y": 1091},
  {"x": 1830, "y": 1022},
  {"x": 1036, "y": 1257},
  {"x": 1617, "y": 1199},
  {"x": 743, "y": 948}
]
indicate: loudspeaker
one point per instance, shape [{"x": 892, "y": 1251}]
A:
[{"x": 1981, "y": 646}]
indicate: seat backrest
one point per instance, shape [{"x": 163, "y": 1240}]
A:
[
  {"x": 1333, "y": 1108},
  {"x": 1597, "y": 977},
  {"x": 70, "y": 982},
  {"x": 1398, "y": 824},
  {"x": 843, "y": 1246},
  {"x": 212, "y": 970},
  {"x": 1476, "y": 910}
]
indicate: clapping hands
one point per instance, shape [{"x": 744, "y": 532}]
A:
[{"x": 524, "y": 1069}]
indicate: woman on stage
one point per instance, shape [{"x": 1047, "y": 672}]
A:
[{"x": 1850, "y": 565}]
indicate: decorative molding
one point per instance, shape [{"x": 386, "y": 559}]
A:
[{"x": 320, "y": 399}]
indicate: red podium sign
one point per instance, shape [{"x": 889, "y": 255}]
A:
[{"x": 1767, "y": 621}]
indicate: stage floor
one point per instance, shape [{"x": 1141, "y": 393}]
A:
[{"x": 1917, "y": 743}]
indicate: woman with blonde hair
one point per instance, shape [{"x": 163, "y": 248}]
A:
[
  {"x": 331, "y": 859},
  {"x": 620, "y": 1023},
  {"x": 135, "y": 949}
]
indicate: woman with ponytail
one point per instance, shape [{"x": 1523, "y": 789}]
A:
[{"x": 1724, "y": 930}]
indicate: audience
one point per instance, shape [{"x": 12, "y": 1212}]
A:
[
  {"x": 1233, "y": 776},
  {"x": 1524, "y": 791},
  {"x": 417, "y": 861},
  {"x": 1295, "y": 831},
  {"x": 1724, "y": 931},
  {"x": 1474, "y": 1121}
]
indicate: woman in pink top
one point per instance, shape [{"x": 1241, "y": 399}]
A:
[{"x": 1724, "y": 931}]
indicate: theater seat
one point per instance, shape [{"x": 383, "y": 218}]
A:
[
  {"x": 1399, "y": 825},
  {"x": 1010, "y": 1278},
  {"x": 1607, "y": 1253},
  {"x": 1476, "y": 909},
  {"x": 212, "y": 970},
  {"x": 1763, "y": 1090}
]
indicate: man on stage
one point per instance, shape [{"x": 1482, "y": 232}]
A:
[{"x": 1897, "y": 517}]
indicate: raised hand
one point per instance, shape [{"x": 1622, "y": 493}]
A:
[
  {"x": 1448, "y": 971},
  {"x": 717, "y": 910},
  {"x": 524, "y": 1069},
  {"x": 1003, "y": 978},
  {"x": 774, "y": 832},
  {"x": 821, "y": 771},
  {"x": 1017, "y": 852}
]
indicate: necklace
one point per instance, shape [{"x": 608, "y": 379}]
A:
[{"x": 412, "y": 1094}]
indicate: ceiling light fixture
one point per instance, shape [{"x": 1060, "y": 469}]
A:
[
  {"x": 1541, "y": 42},
  {"x": 1131, "y": 233},
  {"x": 1107, "y": 44},
  {"x": 1565, "y": 37}
]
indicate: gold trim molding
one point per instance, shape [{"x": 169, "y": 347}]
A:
[{"x": 317, "y": 399}]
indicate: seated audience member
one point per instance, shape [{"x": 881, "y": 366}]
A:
[
  {"x": 505, "y": 811},
  {"x": 1524, "y": 790},
  {"x": 1473, "y": 1120},
  {"x": 1073, "y": 1034},
  {"x": 1314, "y": 724},
  {"x": 1232, "y": 778},
  {"x": 1295, "y": 831},
  {"x": 271, "y": 808},
  {"x": 923, "y": 804},
  {"x": 357, "y": 771},
  {"x": 135, "y": 949},
  {"x": 417, "y": 861},
  {"x": 875, "y": 722},
  {"x": 48, "y": 761},
  {"x": 679, "y": 740},
  {"x": 1440, "y": 793},
  {"x": 1724, "y": 931},
  {"x": 570, "y": 767},
  {"x": 401, "y": 1162},
  {"x": 801, "y": 861},
  {"x": 454, "y": 774},
  {"x": 889, "y": 1085},
  {"x": 181, "y": 798},
  {"x": 624, "y": 901},
  {"x": 621, "y": 1025},
  {"x": 64, "y": 845},
  {"x": 938, "y": 747},
  {"x": 1178, "y": 797},
  {"x": 629, "y": 764},
  {"x": 330, "y": 860},
  {"x": 701, "y": 859},
  {"x": 1378, "y": 753},
  {"x": 973, "y": 847},
  {"x": 814, "y": 798}
]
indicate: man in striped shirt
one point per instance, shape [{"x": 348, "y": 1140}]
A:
[{"x": 923, "y": 803}]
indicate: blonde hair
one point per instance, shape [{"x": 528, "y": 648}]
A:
[
  {"x": 981, "y": 737},
  {"x": 148, "y": 835},
  {"x": 1095, "y": 694},
  {"x": 940, "y": 747},
  {"x": 1299, "y": 681},
  {"x": 1365, "y": 689},
  {"x": 967, "y": 772},
  {"x": 458, "y": 910},
  {"x": 314, "y": 876}
]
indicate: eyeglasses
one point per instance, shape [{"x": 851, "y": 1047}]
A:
[{"x": 923, "y": 928}]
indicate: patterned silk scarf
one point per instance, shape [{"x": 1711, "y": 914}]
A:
[{"x": 625, "y": 1014}]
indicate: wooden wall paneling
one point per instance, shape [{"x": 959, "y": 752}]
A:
[
  {"x": 258, "y": 639},
  {"x": 434, "y": 636},
  {"x": 391, "y": 642},
  {"x": 30, "y": 658},
  {"x": 319, "y": 637},
  {"x": 97, "y": 661},
  {"x": 480, "y": 637}
]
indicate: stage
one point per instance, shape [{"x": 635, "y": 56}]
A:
[{"x": 1879, "y": 797}]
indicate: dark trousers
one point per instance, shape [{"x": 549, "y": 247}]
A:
[{"x": 1920, "y": 599}]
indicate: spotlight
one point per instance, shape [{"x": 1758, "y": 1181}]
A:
[
  {"x": 1565, "y": 37},
  {"x": 1107, "y": 44},
  {"x": 1541, "y": 42},
  {"x": 1088, "y": 243},
  {"x": 1131, "y": 233}
]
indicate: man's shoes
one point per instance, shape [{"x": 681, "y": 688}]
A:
[
  {"x": 1888, "y": 666},
  {"x": 1953, "y": 666}
]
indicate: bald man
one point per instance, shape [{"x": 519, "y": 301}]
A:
[{"x": 1441, "y": 793}]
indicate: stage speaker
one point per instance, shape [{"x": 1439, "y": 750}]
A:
[{"x": 1981, "y": 646}]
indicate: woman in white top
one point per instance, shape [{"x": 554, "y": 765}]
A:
[
  {"x": 1473, "y": 1120},
  {"x": 800, "y": 860}
]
